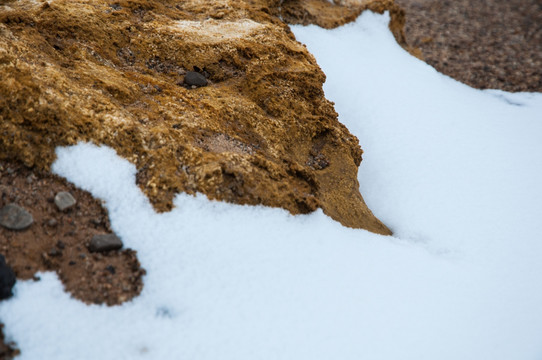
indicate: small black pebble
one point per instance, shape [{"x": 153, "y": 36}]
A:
[
  {"x": 55, "y": 252},
  {"x": 7, "y": 279},
  {"x": 111, "y": 269},
  {"x": 71, "y": 263},
  {"x": 193, "y": 78}
]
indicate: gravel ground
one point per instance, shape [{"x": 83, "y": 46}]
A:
[
  {"x": 493, "y": 44},
  {"x": 58, "y": 240}
]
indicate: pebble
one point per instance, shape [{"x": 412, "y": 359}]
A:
[
  {"x": 7, "y": 279},
  {"x": 14, "y": 217},
  {"x": 193, "y": 78},
  {"x": 64, "y": 200},
  {"x": 101, "y": 243},
  {"x": 111, "y": 269},
  {"x": 55, "y": 252}
]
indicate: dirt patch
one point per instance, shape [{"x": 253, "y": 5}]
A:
[
  {"x": 8, "y": 350},
  {"x": 57, "y": 240},
  {"x": 486, "y": 44}
]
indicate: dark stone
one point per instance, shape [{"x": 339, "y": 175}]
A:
[
  {"x": 7, "y": 279},
  {"x": 55, "y": 252},
  {"x": 111, "y": 269},
  {"x": 64, "y": 200},
  {"x": 14, "y": 217},
  {"x": 193, "y": 78},
  {"x": 108, "y": 242}
]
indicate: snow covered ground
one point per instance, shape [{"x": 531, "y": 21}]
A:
[{"x": 456, "y": 173}]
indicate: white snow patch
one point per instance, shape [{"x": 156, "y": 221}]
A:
[{"x": 454, "y": 171}]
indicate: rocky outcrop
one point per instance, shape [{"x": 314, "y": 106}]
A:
[{"x": 258, "y": 131}]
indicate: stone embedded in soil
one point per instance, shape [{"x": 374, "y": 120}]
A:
[
  {"x": 193, "y": 78},
  {"x": 64, "y": 200},
  {"x": 7, "y": 279},
  {"x": 103, "y": 243},
  {"x": 14, "y": 217},
  {"x": 54, "y": 241}
]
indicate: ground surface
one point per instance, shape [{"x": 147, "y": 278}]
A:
[
  {"x": 58, "y": 240},
  {"x": 493, "y": 44},
  {"x": 485, "y": 44}
]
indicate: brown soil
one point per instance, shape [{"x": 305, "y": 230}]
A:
[
  {"x": 493, "y": 44},
  {"x": 112, "y": 73},
  {"x": 8, "y": 350},
  {"x": 58, "y": 240}
]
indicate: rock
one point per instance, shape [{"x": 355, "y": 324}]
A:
[
  {"x": 54, "y": 252},
  {"x": 7, "y": 279},
  {"x": 193, "y": 78},
  {"x": 248, "y": 139},
  {"x": 64, "y": 200},
  {"x": 14, "y": 217},
  {"x": 102, "y": 243}
]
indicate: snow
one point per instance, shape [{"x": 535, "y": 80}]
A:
[{"x": 455, "y": 172}]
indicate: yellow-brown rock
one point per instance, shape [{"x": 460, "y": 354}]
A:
[{"x": 260, "y": 132}]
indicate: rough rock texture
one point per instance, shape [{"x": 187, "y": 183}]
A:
[
  {"x": 260, "y": 132},
  {"x": 493, "y": 44},
  {"x": 58, "y": 240}
]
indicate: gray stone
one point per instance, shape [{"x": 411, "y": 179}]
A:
[
  {"x": 193, "y": 78},
  {"x": 14, "y": 217},
  {"x": 64, "y": 200},
  {"x": 101, "y": 243}
]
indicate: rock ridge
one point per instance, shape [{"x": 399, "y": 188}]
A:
[{"x": 112, "y": 72}]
